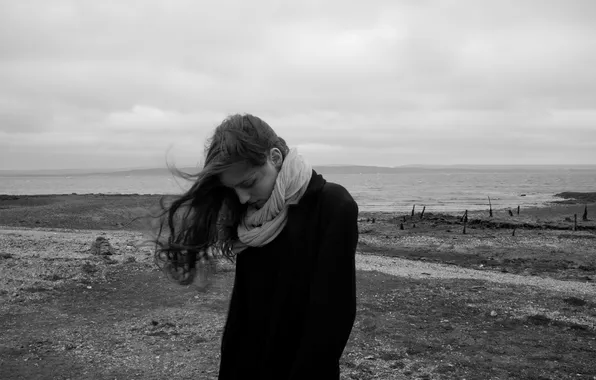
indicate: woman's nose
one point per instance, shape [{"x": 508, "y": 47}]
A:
[{"x": 243, "y": 196}]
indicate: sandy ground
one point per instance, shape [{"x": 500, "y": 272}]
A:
[
  {"x": 429, "y": 296},
  {"x": 43, "y": 253}
]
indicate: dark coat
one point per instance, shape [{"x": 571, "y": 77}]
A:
[{"x": 294, "y": 300}]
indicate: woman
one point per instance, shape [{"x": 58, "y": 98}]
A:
[{"x": 293, "y": 236}]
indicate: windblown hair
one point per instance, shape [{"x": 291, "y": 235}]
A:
[{"x": 200, "y": 226}]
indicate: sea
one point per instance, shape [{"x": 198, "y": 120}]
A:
[{"x": 439, "y": 190}]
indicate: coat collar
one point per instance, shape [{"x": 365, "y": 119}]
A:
[{"x": 315, "y": 185}]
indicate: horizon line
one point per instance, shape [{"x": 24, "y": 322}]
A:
[{"x": 405, "y": 166}]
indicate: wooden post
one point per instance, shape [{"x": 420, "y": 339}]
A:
[
  {"x": 465, "y": 224},
  {"x": 413, "y": 207},
  {"x": 401, "y": 226},
  {"x": 490, "y": 208},
  {"x": 518, "y": 210},
  {"x": 513, "y": 233},
  {"x": 466, "y": 217},
  {"x": 575, "y": 222},
  {"x": 422, "y": 213},
  {"x": 585, "y": 216}
]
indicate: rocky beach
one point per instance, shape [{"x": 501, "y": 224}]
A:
[{"x": 440, "y": 296}]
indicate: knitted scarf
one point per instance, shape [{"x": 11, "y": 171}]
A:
[{"x": 261, "y": 226}]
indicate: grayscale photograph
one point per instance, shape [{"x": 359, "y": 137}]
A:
[{"x": 298, "y": 190}]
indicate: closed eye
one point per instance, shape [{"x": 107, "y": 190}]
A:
[{"x": 246, "y": 185}]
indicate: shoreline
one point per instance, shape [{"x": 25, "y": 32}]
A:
[
  {"x": 121, "y": 211},
  {"x": 540, "y": 240},
  {"x": 565, "y": 198}
]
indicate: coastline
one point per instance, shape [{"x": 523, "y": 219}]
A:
[
  {"x": 115, "y": 211},
  {"x": 539, "y": 241}
]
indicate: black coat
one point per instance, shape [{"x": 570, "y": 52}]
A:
[{"x": 294, "y": 300}]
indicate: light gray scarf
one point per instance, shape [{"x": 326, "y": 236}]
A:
[{"x": 261, "y": 226}]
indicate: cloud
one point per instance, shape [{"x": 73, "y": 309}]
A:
[{"x": 116, "y": 84}]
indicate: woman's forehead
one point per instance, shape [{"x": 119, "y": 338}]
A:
[{"x": 236, "y": 174}]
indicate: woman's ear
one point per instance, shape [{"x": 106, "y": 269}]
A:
[{"x": 276, "y": 158}]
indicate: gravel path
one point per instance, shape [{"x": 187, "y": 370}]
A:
[
  {"x": 419, "y": 269},
  {"x": 75, "y": 244}
]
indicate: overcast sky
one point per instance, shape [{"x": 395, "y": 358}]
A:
[{"x": 115, "y": 84}]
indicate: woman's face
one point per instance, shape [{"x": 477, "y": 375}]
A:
[{"x": 253, "y": 185}]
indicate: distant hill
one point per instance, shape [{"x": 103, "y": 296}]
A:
[
  {"x": 324, "y": 169},
  {"x": 362, "y": 169},
  {"x": 50, "y": 172},
  {"x": 354, "y": 169},
  {"x": 87, "y": 172}
]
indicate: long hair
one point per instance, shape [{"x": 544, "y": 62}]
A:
[{"x": 200, "y": 226}]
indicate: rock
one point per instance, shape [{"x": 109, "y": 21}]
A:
[
  {"x": 101, "y": 246},
  {"x": 108, "y": 260},
  {"x": 5, "y": 255},
  {"x": 574, "y": 301},
  {"x": 397, "y": 365},
  {"x": 69, "y": 346},
  {"x": 130, "y": 259}
]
